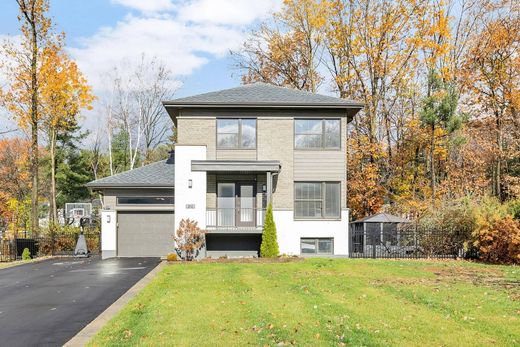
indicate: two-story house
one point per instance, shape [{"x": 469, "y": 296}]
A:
[{"x": 237, "y": 151}]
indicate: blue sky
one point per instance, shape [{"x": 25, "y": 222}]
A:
[
  {"x": 84, "y": 20},
  {"x": 192, "y": 37}
]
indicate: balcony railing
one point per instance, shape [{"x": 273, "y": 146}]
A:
[{"x": 235, "y": 218}]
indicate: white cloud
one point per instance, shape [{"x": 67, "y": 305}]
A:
[
  {"x": 148, "y": 6},
  {"x": 233, "y": 12},
  {"x": 184, "y": 35},
  {"x": 181, "y": 47},
  {"x": 184, "y": 39}
]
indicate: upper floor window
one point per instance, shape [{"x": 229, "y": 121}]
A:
[
  {"x": 317, "y": 133},
  {"x": 236, "y": 133}
]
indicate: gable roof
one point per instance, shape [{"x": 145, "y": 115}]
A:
[
  {"x": 382, "y": 218},
  {"x": 262, "y": 95},
  {"x": 160, "y": 174}
]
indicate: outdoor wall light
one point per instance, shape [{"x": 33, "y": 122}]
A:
[
  {"x": 190, "y": 183},
  {"x": 264, "y": 188}
]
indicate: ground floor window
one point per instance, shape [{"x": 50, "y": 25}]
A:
[
  {"x": 148, "y": 200},
  {"x": 317, "y": 245},
  {"x": 317, "y": 200}
]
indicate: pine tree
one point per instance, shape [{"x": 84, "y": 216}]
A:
[{"x": 269, "y": 247}]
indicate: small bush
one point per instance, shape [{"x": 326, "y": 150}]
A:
[
  {"x": 269, "y": 246},
  {"x": 171, "y": 257},
  {"x": 26, "y": 254},
  {"x": 514, "y": 209},
  {"x": 189, "y": 239}
]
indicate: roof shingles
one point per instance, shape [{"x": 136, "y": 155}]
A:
[
  {"x": 262, "y": 94},
  {"x": 158, "y": 174}
]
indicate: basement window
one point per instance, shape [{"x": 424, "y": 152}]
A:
[
  {"x": 148, "y": 200},
  {"x": 316, "y": 246}
]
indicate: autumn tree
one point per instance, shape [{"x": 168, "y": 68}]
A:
[
  {"x": 492, "y": 78},
  {"x": 15, "y": 181},
  {"x": 21, "y": 97},
  {"x": 63, "y": 93},
  {"x": 288, "y": 52}
]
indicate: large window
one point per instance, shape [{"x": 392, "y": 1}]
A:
[
  {"x": 317, "y": 246},
  {"x": 317, "y": 200},
  {"x": 236, "y": 133},
  {"x": 149, "y": 200},
  {"x": 317, "y": 133}
]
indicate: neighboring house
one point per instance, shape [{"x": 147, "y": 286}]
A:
[{"x": 239, "y": 149}]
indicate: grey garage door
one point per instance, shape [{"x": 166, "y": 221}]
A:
[{"x": 144, "y": 234}]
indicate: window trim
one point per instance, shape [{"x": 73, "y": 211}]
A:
[
  {"x": 322, "y": 217},
  {"x": 239, "y": 134},
  {"x": 145, "y": 197},
  {"x": 316, "y": 245},
  {"x": 322, "y": 147}
]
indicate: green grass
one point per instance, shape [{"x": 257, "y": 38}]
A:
[{"x": 323, "y": 302}]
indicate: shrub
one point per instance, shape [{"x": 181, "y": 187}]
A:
[
  {"x": 514, "y": 209},
  {"x": 171, "y": 257},
  {"x": 189, "y": 239},
  {"x": 269, "y": 246},
  {"x": 26, "y": 254},
  {"x": 498, "y": 239}
]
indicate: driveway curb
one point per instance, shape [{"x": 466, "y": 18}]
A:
[{"x": 88, "y": 332}]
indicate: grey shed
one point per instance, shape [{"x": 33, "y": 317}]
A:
[{"x": 374, "y": 231}]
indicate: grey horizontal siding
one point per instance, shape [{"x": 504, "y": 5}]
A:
[{"x": 319, "y": 165}]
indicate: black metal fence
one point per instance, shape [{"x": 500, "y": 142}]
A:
[
  {"x": 408, "y": 242},
  {"x": 63, "y": 244}
]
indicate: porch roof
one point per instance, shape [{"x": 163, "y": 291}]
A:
[{"x": 236, "y": 165}]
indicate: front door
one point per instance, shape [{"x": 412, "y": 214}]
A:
[
  {"x": 246, "y": 203},
  {"x": 236, "y": 204}
]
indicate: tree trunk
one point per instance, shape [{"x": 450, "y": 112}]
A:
[
  {"x": 34, "y": 131},
  {"x": 432, "y": 161},
  {"x": 498, "y": 166},
  {"x": 53, "y": 215}
]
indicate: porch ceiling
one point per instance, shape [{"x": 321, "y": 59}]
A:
[{"x": 236, "y": 165}]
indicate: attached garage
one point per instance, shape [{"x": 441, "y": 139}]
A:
[
  {"x": 144, "y": 234},
  {"x": 137, "y": 219}
]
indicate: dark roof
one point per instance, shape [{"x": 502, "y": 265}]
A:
[
  {"x": 262, "y": 95},
  {"x": 158, "y": 174},
  {"x": 382, "y": 218}
]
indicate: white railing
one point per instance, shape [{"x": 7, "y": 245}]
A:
[{"x": 229, "y": 218}]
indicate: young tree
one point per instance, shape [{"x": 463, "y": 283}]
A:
[
  {"x": 269, "y": 246},
  {"x": 22, "y": 95}
]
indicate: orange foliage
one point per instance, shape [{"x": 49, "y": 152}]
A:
[{"x": 365, "y": 191}]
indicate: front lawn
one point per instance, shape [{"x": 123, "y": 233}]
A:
[{"x": 328, "y": 302}]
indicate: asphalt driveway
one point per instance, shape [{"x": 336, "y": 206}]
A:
[{"x": 46, "y": 303}]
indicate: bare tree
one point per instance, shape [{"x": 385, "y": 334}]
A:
[
  {"x": 134, "y": 107},
  {"x": 154, "y": 84}
]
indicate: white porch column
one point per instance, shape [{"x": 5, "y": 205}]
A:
[{"x": 190, "y": 186}]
